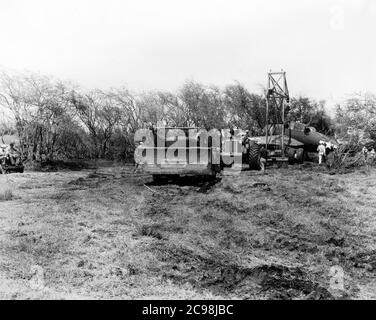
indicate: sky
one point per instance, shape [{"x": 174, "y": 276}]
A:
[{"x": 327, "y": 47}]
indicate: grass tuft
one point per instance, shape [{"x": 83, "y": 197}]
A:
[{"x": 6, "y": 195}]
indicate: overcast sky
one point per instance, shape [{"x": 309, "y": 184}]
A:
[{"x": 327, "y": 47}]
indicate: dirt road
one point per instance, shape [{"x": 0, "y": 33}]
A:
[{"x": 111, "y": 234}]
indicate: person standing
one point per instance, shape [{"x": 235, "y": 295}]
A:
[
  {"x": 321, "y": 150},
  {"x": 372, "y": 154},
  {"x": 365, "y": 153},
  {"x": 365, "y": 156},
  {"x": 263, "y": 157},
  {"x": 139, "y": 161}
]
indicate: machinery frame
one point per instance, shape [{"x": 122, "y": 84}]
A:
[{"x": 277, "y": 99}]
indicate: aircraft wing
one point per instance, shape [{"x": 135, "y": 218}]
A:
[{"x": 276, "y": 140}]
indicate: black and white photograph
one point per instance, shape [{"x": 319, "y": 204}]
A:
[{"x": 212, "y": 151}]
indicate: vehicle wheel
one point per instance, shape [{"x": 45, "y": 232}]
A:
[
  {"x": 290, "y": 152},
  {"x": 254, "y": 155}
]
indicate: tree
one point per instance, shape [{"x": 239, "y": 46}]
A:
[
  {"x": 311, "y": 113},
  {"x": 245, "y": 110},
  {"x": 100, "y": 116},
  {"x": 358, "y": 112},
  {"x": 202, "y": 106},
  {"x": 41, "y": 112}
]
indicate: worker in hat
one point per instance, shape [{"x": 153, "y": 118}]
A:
[
  {"x": 263, "y": 158},
  {"x": 365, "y": 156},
  {"x": 139, "y": 160},
  {"x": 321, "y": 150}
]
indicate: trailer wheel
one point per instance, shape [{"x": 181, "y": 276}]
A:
[
  {"x": 254, "y": 155},
  {"x": 291, "y": 154}
]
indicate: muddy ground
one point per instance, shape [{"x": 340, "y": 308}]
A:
[{"x": 111, "y": 234}]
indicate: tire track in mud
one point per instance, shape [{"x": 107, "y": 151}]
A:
[
  {"x": 211, "y": 271},
  {"x": 268, "y": 281}
]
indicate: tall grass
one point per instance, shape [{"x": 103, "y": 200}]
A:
[{"x": 6, "y": 195}]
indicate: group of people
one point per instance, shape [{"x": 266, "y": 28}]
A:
[
  {"x": 323, "y": 149},
  {"x": 9, "y": 152},
  {"x": 369, "y": 155}
]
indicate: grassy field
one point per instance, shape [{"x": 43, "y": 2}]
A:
[{"x": 110, "y": 234}]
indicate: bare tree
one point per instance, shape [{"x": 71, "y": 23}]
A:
[
  {"x": 100, "y": 116},
  {"x": 40, "y": 108},
  {"x": 244, "y": 109},
  {"x": 203, "y": 106}
]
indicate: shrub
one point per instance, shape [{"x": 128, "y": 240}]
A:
[{"x": 345, "y": 157}]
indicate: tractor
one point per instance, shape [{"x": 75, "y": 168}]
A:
[
  {"x": 6, "y": 166},
  {"x": 10, "y": 162}
]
